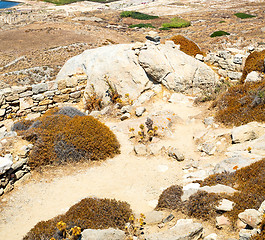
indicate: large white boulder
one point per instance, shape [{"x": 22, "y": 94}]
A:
[{"x": 136, "y": 68}]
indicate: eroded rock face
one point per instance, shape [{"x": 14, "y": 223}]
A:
[{"x": 134, "y": 69}]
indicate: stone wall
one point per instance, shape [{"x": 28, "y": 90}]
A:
[
  {"x": 18, "y": 101},
  {"x": 11, "y": 173},
  {"x": 228, "y": 63}
]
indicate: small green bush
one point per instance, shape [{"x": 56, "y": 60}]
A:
[
  {"x": 62, "y": 135},
  {"x": 176, "y": 23},
  {"x": 219, "y": 34},
  {"x": 164, "y": 28},
  {"x": 244, "y": 15},
  {"x": 142, "y": 25},
  {"x": 89, "y": 213},
  {"x": 137, "y": 15}
]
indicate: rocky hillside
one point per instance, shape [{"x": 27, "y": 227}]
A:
[{"x": 114, "y": 132}]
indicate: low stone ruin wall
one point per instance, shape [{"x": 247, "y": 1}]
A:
[
  {"x": 18, "y": 101},
  {"x": 227, "y": 63},
  {"x": 19, "y": 171}
]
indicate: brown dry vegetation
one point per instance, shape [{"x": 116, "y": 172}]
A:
[
  {"x": 89, "y": 213},
  {"x": 254, "y": 62},
  {"x": 187, "y": 46},
  {"x": 241, "y": 104},
  {"x": 249, "y": 181},
  {"x": 66, "y": 137}
]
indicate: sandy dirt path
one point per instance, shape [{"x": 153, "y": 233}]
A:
[{"x": 126, "y": 177}]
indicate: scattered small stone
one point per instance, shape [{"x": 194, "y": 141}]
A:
[
  {"x": 212, "y": 236},
  {"x": 102, "y": 234},
  {"x": 219, "y": 188},
  {"x": 222, "y": 221},
  {"x": 140, "y": 149},
  {"x": 209, "y": 121},
  {"x": 176, "y": 154},
  {"x": 169, "y": 218},
  {"x": 154, "y": 217},
  {"x": 139, "y": 111},
  {"x": 208, "y": 147},
  {"x": 125, "y": 116},
  {"x": 225, "y": 205},
  {"x": 252, "y": 217},
  {"x": 246, "y": 234}
]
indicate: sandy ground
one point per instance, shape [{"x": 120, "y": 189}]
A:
[{"x": 126, "y": 177}]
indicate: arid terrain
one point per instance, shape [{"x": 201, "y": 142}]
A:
[
  {"x": 37, "y": 38},
  {"x": 40, "y": 37}
]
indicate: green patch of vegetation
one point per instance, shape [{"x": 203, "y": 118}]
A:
[
  {"x": 219, "y": 34},
  {"x": 64, "y": 2},
  {"x": 164, "y": 28},
  {"x": 142, "y": 25},
  {"x": 137, "y": 15},
  {"x": 63, "y": 135},
  {"x": 241, "y": 104},
  {"x": 176, "y": 23},
  {"x": 254, "y": 62},
  {"x": 222, "y": 22},
  {"x": 244, "y": 15},
  {"x": 89, "y": 213}
]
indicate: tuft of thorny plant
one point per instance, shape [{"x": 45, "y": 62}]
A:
[
  {"x": 135, "y": 228},
  {"x": 115, "y": 97},
  {"x": 70, "y": 234},
  {"x": 93, "y": 100},
  {"x": 145, "y": 134}
]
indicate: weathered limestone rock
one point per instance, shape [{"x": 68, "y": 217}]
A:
[
  {"x": 139, "y": 111},
  {"x": 233, "y": 163},
  {"x": 129, "y": 70},
  {"x": 184, "y": 229},
  {"x": 39, "y": 88},
  {"x": 225, "y": 205},
  {"x": 25, "y": 103},
  {"x": 176, "y": 154},
  {"x": 219, "y": 188},
  {"x": 154, "y": 217},
  {"x": 5, "y": 163},
  {"x": 252, "y": 217},
  {"x": 246, "y": 234},
  {"x": 247, "y": 132},
  {"x": 222, "y": 221},
  {"x": 253, "y": 76},
  {"x": 140, "y": 149},
  {"x": 212, "y": 236},
  {"x": 110, "y": 234}
]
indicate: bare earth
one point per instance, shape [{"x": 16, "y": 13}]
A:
[{"x": 60, "y": 33}]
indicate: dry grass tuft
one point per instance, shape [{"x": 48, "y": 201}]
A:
[
  {"x": 254, "y": 62},
  {"x": 59, "y": 138},
  {"x": 170, "y": 198},
  {"x": 89, "y": 213},
  {"x": 187, "y": 46},
  {"x": 241, "y": 104}
]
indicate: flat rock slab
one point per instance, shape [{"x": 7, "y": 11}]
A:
[
  {"x": 110, "y": 234},
  {"x": 184, "y": 229}
]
